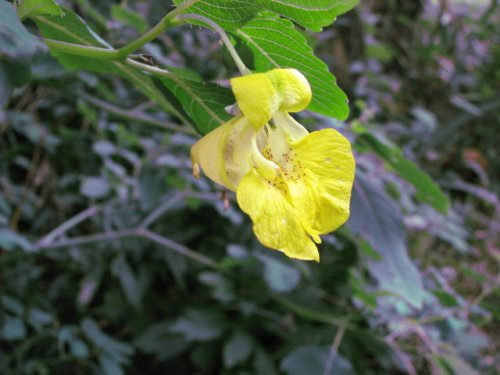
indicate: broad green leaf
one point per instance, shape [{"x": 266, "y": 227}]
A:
[
  {"x": 29, "y": 8},
  {"x": 376, "y": 218},
  {"x": 237, "y": 349},
  {"x": 157, "y": 340},
  {"x": 15, "y": 40},
  {"x": 128, "y": 281},
  {"x": 203, "y": 102},
  {"x": 94, "y": 187},
  {"x": 263, "y": 363},
  {"x": 427, "y": 190},
  {"x": 222, "y": 288},
  {"x": 72, "y": 29},
  {"x": 199, "y": 325},
  {"x": 311, "y": 14},
  {"x": 276, "y": 44},
  {"x": 312, "y": 359},
  {"x": 116, "y": 351},
  {"x": 16, "y": 48},
  {"x": 39, "y": 318},
  {"x": 12, "y": 329},
  {"x": 11, "y": 240},
  {"x": 280, "y": 276}
]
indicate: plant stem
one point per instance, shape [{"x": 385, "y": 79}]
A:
[
  {"x": 225, "y": 39},
  {"x": 136, "y": 115},
  {"x": 121, "y": 53},
  {"x": 169, "y": 19},
  {"x": 334, "y": 349}
]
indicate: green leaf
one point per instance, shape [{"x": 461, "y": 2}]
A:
[
  {"x": 39, "y": 318},
  {"x": 129, "y": 17},
  {"x": 276, "y": 44},
  {"x": 311, "y": 14},
  {"x": 13, "y": 72},
  {"x": 72, "y": 29},
  {"x": 115, "y": 351},
  {"x": 453, "y": 365},
  {"x": 237, "y": 349},
  {"x": 427, "y": 190},
  {"x": 10, "y": 240},
  {"x": 222, "y": 288},
  {"x": 12, "y": 328},
  {"x": 94, "y": 187},
  {"x": 157, "y": 340},
  {"x": 199, "y": 325},
  {"x": 312, "y": 359},
  {"x": 445, "y": 298},
  {"x": 29, "y": 8},
  {"x": 263, "y": 363},
  {"x": 203, "y": 102},
  {"x": 376, "y": 218},
  {"x": 15, "y": 40},
  {"x": 128, "y": 281},
  {"x": 280, "y": 277}
]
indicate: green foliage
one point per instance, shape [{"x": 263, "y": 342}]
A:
[
  {"x": 311, "y": 14},
  {"x": 72, "y": 29},
  {"x": 205, "y": 102},
  {"x": 376, "y": 219},
  {"x": 270, "y": 38},
  {"x": 29, "y": 8},
  {"x": 311, "y": 359},
  {"x": 427, "y": 191}
]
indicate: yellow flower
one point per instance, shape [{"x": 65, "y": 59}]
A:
[{"x": 294, "y": 185}]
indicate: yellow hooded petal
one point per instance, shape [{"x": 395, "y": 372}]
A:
[
  {"x": 261, "y": 95},
  {"x": 223, "y": 154},
  {"x": 276, "y": 222},
  {"x": 292, "y": 88}
]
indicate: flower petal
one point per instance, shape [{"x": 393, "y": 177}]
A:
[
  {"x": 329, "y": 167},
  {"x": 276, "y": 223},
  {"x": 223, "y": 154},
  {"x": 261, "y": 95}
]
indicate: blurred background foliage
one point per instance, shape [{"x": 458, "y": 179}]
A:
[{"x": 114, "y": 259}]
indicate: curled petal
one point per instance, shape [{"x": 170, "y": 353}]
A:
[
  {"x": 223, "y": 154},
  {"x": 276, "y": 222}
]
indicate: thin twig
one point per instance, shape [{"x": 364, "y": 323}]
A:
[
  {"x": 162, "y": 209},
  {"x": 136, "y": 115},
  {"x": 402, "y": 356},
  {"x": 135, "y": 232},
  {"x": 68, "y": 224},
  {"x": 87, "y": 239},
  {"x": 334, "y": 350},
  {"x": 178, "y": 248}
]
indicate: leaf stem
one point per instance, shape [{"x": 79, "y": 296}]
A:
[
  {"x": 82, "y": 50},
  {"x": 225, "y": 39},
  {"x": 149, "y": 68},
  {"x": 160, "y": 27}
]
